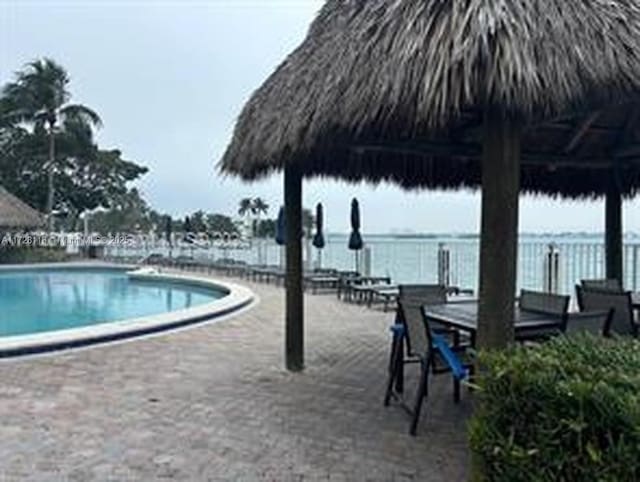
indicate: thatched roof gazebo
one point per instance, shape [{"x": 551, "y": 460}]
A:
[
  {"x": 15, "y": 213},
  {"x": 538, "y": 96}
]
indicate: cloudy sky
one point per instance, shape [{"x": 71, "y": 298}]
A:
[{"x": 169, "y": 79}]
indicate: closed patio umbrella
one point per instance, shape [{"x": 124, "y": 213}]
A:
[
  {"x": 167, "y": 232},
  {"x": 355, "y": 240},
  {"x": 188, "y": 231},
  {"x": 281, "y": 228},
  {"x": 318, "y": 239}
]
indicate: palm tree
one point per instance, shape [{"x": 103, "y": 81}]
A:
[
  {"x": 39, "y": 96},
  {"x": 246, "y": 206},
  {"x": 259, "y": 207},
  {"x": 247, "y": 210}
]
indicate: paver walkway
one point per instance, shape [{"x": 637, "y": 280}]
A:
[{"x": 213, "y": 402}]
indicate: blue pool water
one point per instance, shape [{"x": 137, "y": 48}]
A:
[{"x": 40, "y": 301}]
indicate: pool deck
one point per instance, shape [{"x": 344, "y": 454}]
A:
[{"x": 213, "y": 402}]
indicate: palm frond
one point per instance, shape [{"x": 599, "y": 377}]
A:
[{"x": 80, "y": 113}]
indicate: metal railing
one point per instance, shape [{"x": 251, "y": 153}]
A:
[{"x": 555, "y": 267}]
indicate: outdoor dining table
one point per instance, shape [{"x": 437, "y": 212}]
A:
[
  {"x": 348, "y": 283},
  {"x": 463, "y": 316},
  {"x": 388, "y": 293},
  {"x": 321, "y": 281}
]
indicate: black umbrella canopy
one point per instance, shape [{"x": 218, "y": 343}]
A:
[
  {"x": 355, "y": 240},
  {"x": 318, "y": 239},
  {"x": 281, "y": 228},
  {"x": 396, "y": 90}
]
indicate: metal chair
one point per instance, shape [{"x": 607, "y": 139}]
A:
[
  {"x": 425, "y": 347},
  {"x": 604, "y": 283},
  {"x": 622, "y": 321},
  {"x": 546, "y": 304},
  {"x": 426, "y": 293},
  {"x": 592, "y": 322}
]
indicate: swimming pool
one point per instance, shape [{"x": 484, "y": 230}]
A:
[{"x": 60, "y": 306}]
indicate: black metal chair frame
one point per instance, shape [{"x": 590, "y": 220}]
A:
[
  {"x": 551, "y": 304},
  {"x": 633, "y": 326},
  {"x": 602, "y": 284},
  {"x": 603, "y": 317},
  {"x": 427, "y": 358}
]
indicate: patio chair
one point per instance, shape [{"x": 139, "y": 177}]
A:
[
  {"x": 423, "y": 346},
  {"x": 546, "y": 304},
  {"x": 427, "y": 293},
  {"x": 606, "y": 284},
  {"x": 345, "y": 281},
  {"x": 622, "y": 321},
  {"x": 591, "y": 322}
]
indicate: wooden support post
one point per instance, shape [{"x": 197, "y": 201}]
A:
[
  {"x": 613, "y": 232},
  {"x": 499, "y": 230},
  {"x": 294, "y": 324}
]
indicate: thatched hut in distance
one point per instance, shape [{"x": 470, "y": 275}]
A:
[
  {"x": 537, "y": 96},
  {"x": 16, "y": 214}
]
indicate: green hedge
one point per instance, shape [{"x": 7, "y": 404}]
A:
[
  {"x": 567, "y": 410},
  {"x": 17, "y": 255}
]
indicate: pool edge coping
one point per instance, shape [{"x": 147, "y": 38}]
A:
[{"x": 238, "y": 297}]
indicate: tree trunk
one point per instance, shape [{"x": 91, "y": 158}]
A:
[
  {"x": 294, "y": 351},
  {"x": 499, "y": 236},
  {"x": 613, "y": 232},
  {"x": 52, "y": 157}
]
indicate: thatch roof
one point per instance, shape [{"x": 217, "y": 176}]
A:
[
  {"x": 15, "y": 213},
  {"x": 395, "y": 90}
]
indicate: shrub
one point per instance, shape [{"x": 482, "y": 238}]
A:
[
  {"x": 567, "y": 410},
  {"x": 17, "y": 255}
]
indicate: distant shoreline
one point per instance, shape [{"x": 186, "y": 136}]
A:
[{"x": 473, "y": 236}]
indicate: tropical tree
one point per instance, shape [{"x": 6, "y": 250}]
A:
[
  {"x": 129, "y": 213},
  {"x": 259, "y": 206},
  {"x": 198, "y": 222},
  {"x": 246, "y": 207},
  {"x": 219, "y": 224},
  {"x": 39, "y": 96},
  {"x": 266, "y": 228},
  {"x": 247, "y": 210}
]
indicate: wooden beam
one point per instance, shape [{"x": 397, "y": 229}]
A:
[
  {"x": 613, "y": 232},
  {"x": 580, "y": 131},
  {"x": 294, "y": 318},
  {"x": 630, "y": 126},
  {"x": 499, "y": 230},
  {"x": 630, "y": 150},
  {"x": 474, "y": 152},
  {"x": 566, "y": 126}
]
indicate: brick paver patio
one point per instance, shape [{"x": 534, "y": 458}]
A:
[{"x": 213, "y": 402}]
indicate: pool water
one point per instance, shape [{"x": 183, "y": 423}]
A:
[{"x": 41, "y": 301}]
